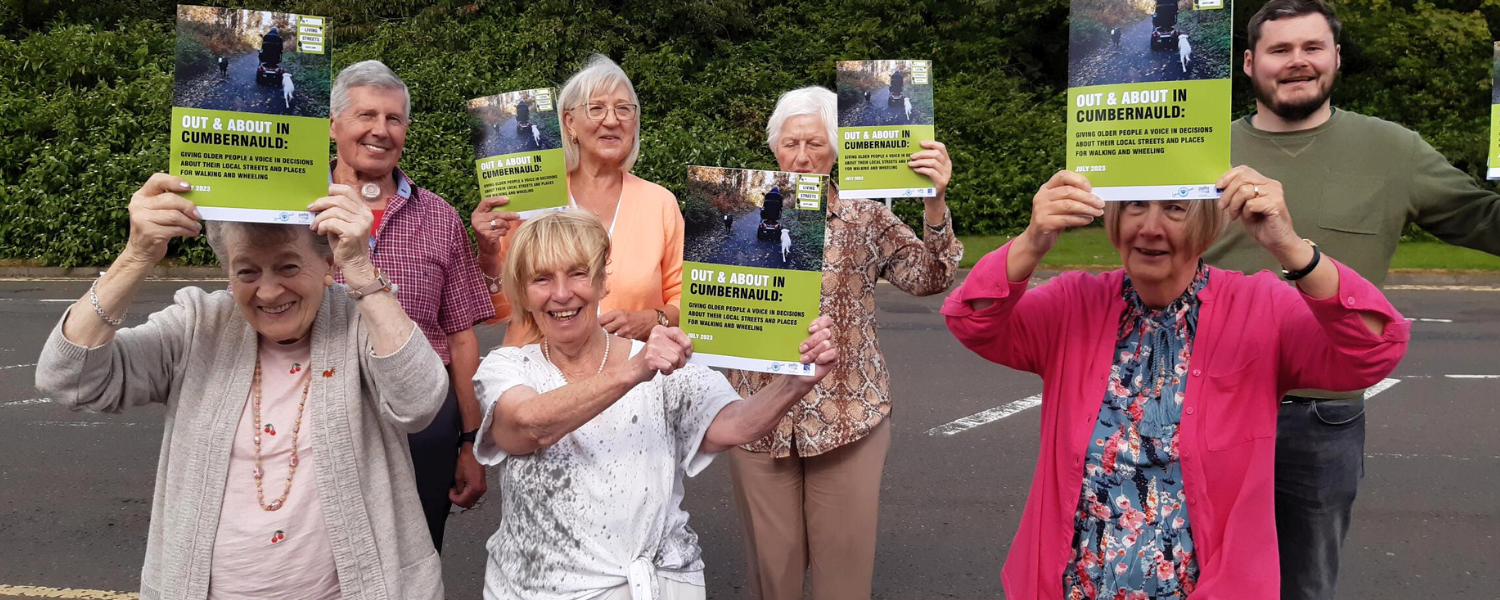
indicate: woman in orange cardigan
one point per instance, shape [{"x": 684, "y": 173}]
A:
[{"x": 643, "y": 282}]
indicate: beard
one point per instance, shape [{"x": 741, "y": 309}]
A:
[{"x": 1294, "y": 110}]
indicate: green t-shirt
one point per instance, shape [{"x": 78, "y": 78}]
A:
[{"x": 1352, "y": 184}]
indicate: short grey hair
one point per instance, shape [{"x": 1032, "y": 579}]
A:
[
  {"x": 263, "y": 234},
  {"x": 812, "y": 100},
  {"x": 599, "y": 74},
  {"x": 366, "y": 73}
]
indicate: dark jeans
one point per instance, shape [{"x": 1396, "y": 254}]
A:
[
  {"x": 1320, "y": 458},
  {"x": 434, "y": 457}
]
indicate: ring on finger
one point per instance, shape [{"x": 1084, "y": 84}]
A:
[{"x": 494, "y": 223}]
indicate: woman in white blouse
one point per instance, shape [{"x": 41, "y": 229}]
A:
[{"x": 596, "y": 433}]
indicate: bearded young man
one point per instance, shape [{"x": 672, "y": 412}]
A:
[{"x": 1361, "y": 180}]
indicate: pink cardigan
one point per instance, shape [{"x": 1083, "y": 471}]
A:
[{"x": 1257, "y": 339}]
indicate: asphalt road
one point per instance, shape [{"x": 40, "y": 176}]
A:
[
  {"x": 879, "y": 110},
  {"x": 75, "y": 488},
  {"x": 505, "y": 138},
  {"x": 1133, "y": 61},
  {"x": 236, "y": 90}
]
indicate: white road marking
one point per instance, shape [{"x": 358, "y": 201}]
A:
[
  {"x": 83, "y": 423},
  {"x": 1425, "y": 456},
  {"x": 27, "y": 402},
  {"x": 986, "y": 417},
  {"x": 17, "y": 366},
  {"x": 1445, "y": 288},
  {"x": 1001, "y": 412},
  {"x": 69, "y": 300},
  {"x": 1419, "y": 320},
  {"x": 31, "y": 591},
  {"x": 1472, "y": 376},
  {"x": 1384, "y": 385}
]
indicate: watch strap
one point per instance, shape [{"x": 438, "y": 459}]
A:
[
  {"x": 381, "y": 283},
  {"x": 1307, "y": 270},
  {"x": 468, "y": 437}
]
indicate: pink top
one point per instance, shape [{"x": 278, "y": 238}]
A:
[
  {"x": 1257, "y": 338},
  {"x": 284, "y": 553}
]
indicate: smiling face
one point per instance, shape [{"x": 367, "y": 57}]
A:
[
  {"x": 1293, "y": 66},
  {"x": 564, "y": 302},
  {"x": 804, "y": 146},
  {"x": 1156, "y": 245},
  {"x": 610, "y": 140},
  {"x": 371, "y": 133},
  {"x": 278, "y": 287}
]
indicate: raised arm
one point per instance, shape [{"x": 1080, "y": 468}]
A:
[
  {"x": 925, "y": 265},
  {"x": 748, "y": 420},
  {"x": 84, "y": 365},
  {"x": 525, "y": 421},
  {"x": 1449, "y": 204},
  {"x": 1341, "y": 334},
  {"x": 992, "y": 313}
]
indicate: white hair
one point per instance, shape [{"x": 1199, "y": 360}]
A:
[
  {"x": 366, "y": 73},
  {"x": 599, "y": 74},
  {"x": 812, "y": 100}
]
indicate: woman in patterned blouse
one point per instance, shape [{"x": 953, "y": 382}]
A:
[
  {"x": 1163, "y": 489},
  {"x": 808, "y": 493}
]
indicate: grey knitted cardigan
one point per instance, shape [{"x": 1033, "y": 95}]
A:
[{"x": 197, "y": 356}]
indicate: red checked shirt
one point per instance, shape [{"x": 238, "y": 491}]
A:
[{"x": 422, "y": 247}]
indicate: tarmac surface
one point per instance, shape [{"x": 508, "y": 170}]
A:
[{"x": 75, "y": 488}]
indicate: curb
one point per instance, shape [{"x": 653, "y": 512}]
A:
[
  {"x": 88, "y": 273},
  {"x": 1399, "y": 277}
]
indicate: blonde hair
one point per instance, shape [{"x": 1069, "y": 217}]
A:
[
  {"x": 555, "y": 240},
  {"x": 599, "y": 74},
  {"x": 1204, "y": 223}
]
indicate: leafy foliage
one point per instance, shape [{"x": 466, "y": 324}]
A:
[{"x": 87, "y": 89}]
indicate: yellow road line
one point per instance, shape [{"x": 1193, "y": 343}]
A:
[{"x": 31, "y": 591}]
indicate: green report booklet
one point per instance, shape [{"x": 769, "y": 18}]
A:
[
  {"x": 1494, "y": 162},
  {"x": 885, "y": 113},
  {"x": 518, "y": 150},
  {"x": 1148, "y": 96},
  {"x": 250, "y": 113},
  {"x": 752, "y": 268}
]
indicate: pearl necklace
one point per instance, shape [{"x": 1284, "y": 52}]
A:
[
  {"x": 260, "y": 495},
  {"x": 547, "y": 353}
]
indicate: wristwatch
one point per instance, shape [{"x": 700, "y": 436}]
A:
[
  {"x": 468, "y": 437},
  {"x": 380, "y": 284},
  {"x": 1304, "y": 271},
  {"x": 661, "y": 318}
]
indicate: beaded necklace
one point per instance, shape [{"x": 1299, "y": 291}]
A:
[{"x": 260, "y": 495}]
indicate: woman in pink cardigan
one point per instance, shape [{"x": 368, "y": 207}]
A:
[{"x": 1164, "y": 489}]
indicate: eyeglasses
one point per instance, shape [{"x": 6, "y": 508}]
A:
[{"x": 623, "y": 112}]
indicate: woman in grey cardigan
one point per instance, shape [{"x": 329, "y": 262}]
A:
[{"x": 284, "y": 471}]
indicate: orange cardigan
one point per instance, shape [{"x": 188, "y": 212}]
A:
[{"x": 645, "y": 264}]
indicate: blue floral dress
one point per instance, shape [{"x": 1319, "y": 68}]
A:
[{"x": 1131, "y": 535}]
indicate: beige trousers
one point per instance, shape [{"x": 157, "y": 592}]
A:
[{"x": 817, "y": 513}]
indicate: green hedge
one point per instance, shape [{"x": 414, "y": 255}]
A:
[{"x": 86, "y": 89}]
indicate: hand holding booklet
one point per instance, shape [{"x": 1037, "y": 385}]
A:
[
  {"x": 752, "y": 266},
  {"x": 250, "y": 113},
  {"x": 518, "y": 150}
]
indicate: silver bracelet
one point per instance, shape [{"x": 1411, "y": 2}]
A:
[
  {"x": 94, "y": 299},
  {"x": 492, "y": 283}
]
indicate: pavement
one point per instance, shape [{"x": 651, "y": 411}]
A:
[{"x": 75, "y": 488}]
